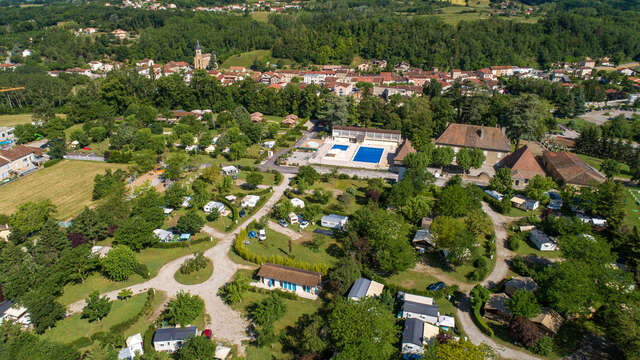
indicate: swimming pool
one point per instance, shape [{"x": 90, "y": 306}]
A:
[
  {"x": 368, "y": 154},
  {"x": 340, "y": 147}
]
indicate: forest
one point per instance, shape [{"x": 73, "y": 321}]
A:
[{"x": 571, "y": 30}]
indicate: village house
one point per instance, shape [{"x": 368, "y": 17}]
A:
[
  {"x": 424, "y": 312},
  {"x": 415, "y": 335},
  {"x": 163, "y": 235},
  {"x": 216, "y": 206},
  {"x": 290, "y": 120},
  {"x": 171, "y": 339},
  {"x": 7, "y": 67},
  {"x": 496, "y": 308},
  {"x": 19, "y": 160},
  {"x": 520, "y": 283},
  {"x": 16, "y": 313},
  {"x": 523, "y": 165},
  {"x": 365, "y": 288},
  {"x": 301, "y": 282},
  {"x": 493, "y": 143},
  {"x": 230, "y": 170},
  {"x": 549, "y": 321},
  {"x": 568, "y": 168},
  {"x": 120, "y": 34},
  {"x": 523, "y": 203},
  {"x": 399, "y": 159},
  {"x": 423, "y": 240},
  {"x": 297, "y": 203},
  {"x": 133, "y": 348},
  {"x": 257, "y": 117}
]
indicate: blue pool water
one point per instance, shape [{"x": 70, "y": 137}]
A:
[
  {"x": 368, "y": 154},
  {"x": 340, "y": 147}
]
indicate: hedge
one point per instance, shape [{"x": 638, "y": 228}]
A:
[
  {"x": 122, "y": 326},
  {"x": 477, "y": 318},
  {"x": 244, "y": 253},
  {"x": 51, "y": 162},
  {"x": 179, "y": 244}
]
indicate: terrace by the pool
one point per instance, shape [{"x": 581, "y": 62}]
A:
[{"x": 368, "y": 154}]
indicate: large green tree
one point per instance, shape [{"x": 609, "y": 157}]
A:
[
  {"x": 120, "y": 263},
  {"x": 183, "y": 309}
]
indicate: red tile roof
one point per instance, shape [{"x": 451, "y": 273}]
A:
[
  {"x": 18, "y": 152},
  {"x": 523, "y": 164},
  {"x": 474, "y": 136},
  {"x": 570, "y": 169}
]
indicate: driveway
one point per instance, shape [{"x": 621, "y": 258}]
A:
[
  {"x": 294, "y": 235},
  {"x": 226, "y": 323}
]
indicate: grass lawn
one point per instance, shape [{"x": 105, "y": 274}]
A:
[
  {"x": 153, "y": 258},
  {"x": 17, "y": 119},
  {"x": 195, "y": 277},
  {"x": 68, "y": 184},
  {"x": 277, "y": 244},
  {"x": 631, "y": 207},
  {"x": 595, "y": 162},
  {"x": 245, "y": 59},
  {"x": 412, "y": 280},
  {"x": 526, "y": 249},
  {"x": 260, "y": 16},
  {"x": 73, "y": 327},
  {"x": 143, "y": 323}
]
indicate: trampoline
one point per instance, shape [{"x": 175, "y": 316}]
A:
[
  {"x": 368, "y": 155},
  {"x": 340, "y": 147}
]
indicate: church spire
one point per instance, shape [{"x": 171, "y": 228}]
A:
[{"x": 198, "y": 45}]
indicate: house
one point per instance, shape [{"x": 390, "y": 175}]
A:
[
  {"x": 494, "y": 194},
  {"x": 542, "y": 241},
  {"x": 16, "y": 313},
  {"x": 405, "y": 149},
  {"x": 293, "y": 218},
  {"x": 333, "y": 221},
  {"x": 446, "y": 322},
  {"x": 120, "y": 34},
  {"x": 568, "y": 168},
  {"x": 269, "y": 144},
  {"x": 301, "y": 282},
  {"x": 520, "y": 283},
  {"x": 222, "y": 352},
  {"x": 365, "y": 288},
  {"x": 290, "y": 120},
  {"x": 171, "y": 339},
  {"x": 217, "y": 206},
  {"x": 250, "y": 201},
  {"x": 424, "y": 312},
  {"x": 549, "y": 321},
  {"x": 402, "y": 296},
  {"x": 524, "y": 203},
  {"x": 496, "y": 308},
  {"x": 423, "y": 240},
  {"x": 133, "y": 349},
  {"x": 257, "y": 117},
  {"x": 19, "y": 160},
  {"x": 163, "y": 235},
  {"x": 415, "y": 336},
  {"x": 493, "y": 143},
  {"x": 297, "y": 203},
  {"x": 523, "y": 165},
  {"x": 26, "y": 52},
  {"x": 354, "y": 134},
  {"x": 230, "y": 170}
]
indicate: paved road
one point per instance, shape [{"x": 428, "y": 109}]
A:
[{"x": 226, "y": 323}]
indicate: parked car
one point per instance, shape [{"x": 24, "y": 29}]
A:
[
  {"x": 262, "y": 234},
  {"x": 436, "y": 286},
  {"x": 304, "y": 224},
  {"x": 207, "y": 333},
  {"x": 282, "y": 222}
]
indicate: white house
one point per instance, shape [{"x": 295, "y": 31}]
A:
[
  {"x": 446, "y": 322},
  {"x": 13, "y": 312},
  {"x": 26, "y": 52},
  {"x": 163, "y": 235},
  {"x": 416, "y": 335},
  {"x": 542, "y": 241},
  {"x": 171, "y": 339},
  {"x": 297, "y": 203},
  {"x": 230, "y": 170},
  {"x": 424, "y": 312},
  {"x": 524, "y": 203},
  {"x": 414, "y": 298},
  {"x": 217, "y": 206},
  {"x": 365, "y": 288},
  {"x": 293, "y": 218},
  {"x": 269, "y": 144},
  {"x": 133, "y": 348},
  {"x": 334, "y": 221},
  {"x": 301, "y": 282},
  {"x": 250, "y": 201}
]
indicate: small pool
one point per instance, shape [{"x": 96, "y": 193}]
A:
[
  {"x": 340, "y": 147},
  {"x": 368, "y": 155}
]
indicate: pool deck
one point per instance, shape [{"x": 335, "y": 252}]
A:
[{"x": 326, "y": 156}]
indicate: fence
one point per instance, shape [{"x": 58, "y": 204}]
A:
[{"x": 89, "y": 157}]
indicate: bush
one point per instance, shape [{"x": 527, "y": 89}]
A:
[
  {"x": 142, "y": 270},
  {"x": 213, "y": 216},
  {"x": 232, "y": 292},
  {"x": 515, "y": 241},
  {"x": 123, "y": 326},
  {"x": 179, "y": 244},
  {"x": 477, "y": 318},
  {"x": 520, "y": 267},
  {"x": 51, "y": 162},
  {"x": 198, "y": 262}
]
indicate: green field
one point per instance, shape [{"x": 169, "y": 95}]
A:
[
  {"x": 69, "y": 193},
  {"x": 246, "y": 59},
  {"x": 143, "y": 323},
  {"x": 412, "y": 280},
  {"x": 152, "y": 257},
  {"x": 277, "y": 244},
  {"x": 196, "y": 277},
  {"x": 11, "y": 120},
  {"x": 595, "y": 162},
  {"x": 631, "y": 207},
  {"x": 260, "y": 16},
  {"x": 74, "y": 327}
]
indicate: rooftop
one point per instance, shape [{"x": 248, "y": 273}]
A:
[
  {"x": 289, "y": 274},
  {"x": 474, "y": 136},
  {"x": 571, "y": 169},
  {"x": 172, "y": 334},
  {"x": 423, "y": 309},
  {"x": 522, "y": 164},
  {"x": 412, "y": 334}
]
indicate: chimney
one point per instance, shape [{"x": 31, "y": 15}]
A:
[{"x": 480, "y": 134}]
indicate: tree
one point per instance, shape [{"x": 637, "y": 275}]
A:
[
  {"x": 307, "y": 174},
  {"x": 190, "y": 223},
  {"x": 175, "y": 164},
  {"x": 79, "y": 136},
  {"x": 456, "y": 200},
  {"x": 526, "y": 118},
  {"x": 268, "y": 311},
  {"x": 282, "y": 209},
  {"x": 462, "y": 350},
  {"x": 19, "y": 344},
  {"x": 463, "y": 159},
  {"x": 334, "y": 111},
  {"x": 501, "y": 181},
  {"x": 364, "y": 329},
  {"x": 525, "y": 331},
  {"x": 254, "y": 179},
  {"x": 183, "y": 309},
  {"x": 136, "y": 233},
  {"x": 31, "y": 216},
  {"x": 610, "y": 168},
  {"x": 523, "y": 303},
  {"x": 538, "y": 186},
  {"x": 89, "y": 225},
  {"x": 173, "y": 196},
  {"x": 125, "y": 294},
  {"x": 443, "y": 156},
  {"x": 97, "y": 307},
  {"x": 197, "y": 348},
  {"x": 233, "y": 291},
  {"x": 569, "y": 287},
  {"x": 145, "y": 160},
  {"x": 119, "y": 263},
  {"x": 477, "y": 158},
  {"x": 44, "y": 310}
]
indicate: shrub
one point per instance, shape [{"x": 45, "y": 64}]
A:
[
  {"x": 213, "y": 215},
  {"x": 515, "y": 241},
  {"x": 198, "y": 262},
  {"x": 477, "y": 318},
  {"x": 51, "y": 162},
  {"x": 232, "y": 292},
  {"x": 142, "y": 270}
]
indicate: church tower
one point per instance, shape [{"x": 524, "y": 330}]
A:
[{"x": 200, "y": 60}]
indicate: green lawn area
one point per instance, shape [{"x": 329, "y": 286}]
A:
[
  {"x": 260, "y": 16},
  {"x": 595, "y": 162},
  {"x": 339, "y": 186},
  {"x": 195, "y": 277},
  {"x": 527, "y": 249},
  {"x": 152, "y": 257},
  {"x": 73, "y": 327},
  {"x": 631, "y": 208},
  {"x": 245, "y": 59},
  {"x": 143, "y": 323},
  {"x": 69, "y": 193},
  {"x": 12, "y": 120},
  {"x": 277, "y": 244},
  {"x": 412, "y": 280}
]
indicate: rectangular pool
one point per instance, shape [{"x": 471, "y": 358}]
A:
[
  {"x": 340, "y": 147},
  {"x": 368, "y": 154}
]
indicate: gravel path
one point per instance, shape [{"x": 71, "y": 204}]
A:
[
  {"x": 226, "y": 323},
  {"x": 294, "y": 235}
]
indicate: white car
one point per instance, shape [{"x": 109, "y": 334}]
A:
[
  {"x": 304, "y": 224},
  {"x": 262, "y": 234}
]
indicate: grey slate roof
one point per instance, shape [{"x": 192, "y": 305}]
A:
[
  {"x": 429, "y": 310},
  {"x": 172, "y": 334},
  {"x": 359, "y": 288},
  {"x": 4, "y": 306},
  {"x": 413, "y": 331}
]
